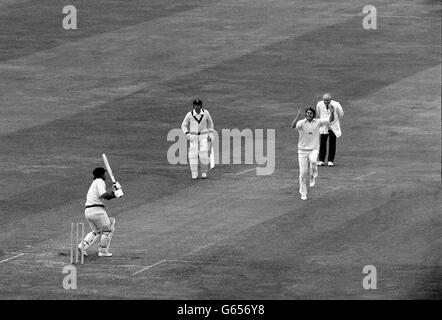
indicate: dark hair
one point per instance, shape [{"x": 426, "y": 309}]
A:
[
  {"x": 197, "y": 102},
  {"x": 312, "y": 110},
  {"x": 98, "y": 172}
]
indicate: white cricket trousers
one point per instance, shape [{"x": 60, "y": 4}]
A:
[
  {"x": 97, "y": 218},
  {"x": 199, "y": 147},
  {"x": 304, "y": 157}
]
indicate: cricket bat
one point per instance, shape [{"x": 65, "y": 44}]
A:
[
  {"x": 119, "y": 192},
  {"x": 211, "y": 157}
]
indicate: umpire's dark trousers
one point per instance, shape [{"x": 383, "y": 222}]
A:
[{"x": 323, "y": 146}]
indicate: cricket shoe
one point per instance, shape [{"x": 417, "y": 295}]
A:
[
  {"x": 312, "y": 181},
  {"x": 303, "y": 197},
  {"x": 194, "y": 176},
  {"x": 320, "y": 163},
  {"x": 330, "y": 164},
  {"x": 204, "y": 175},
  {"x": 104, "y": 253},
  {"x": 84, "y": 251}
]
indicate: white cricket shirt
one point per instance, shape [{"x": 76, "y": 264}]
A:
[
  {"x": 309, "y": 133},
  {"x": 96, "y": 190},
  {"x": 195, "y": 123}
]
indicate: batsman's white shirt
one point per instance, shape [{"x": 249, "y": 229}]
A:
[
  {"x": 97, "y": 188},
  {"x": 195, "y": 123},
  {"x": 309, "y": 133},
  {"x": 324, "y": 113}
]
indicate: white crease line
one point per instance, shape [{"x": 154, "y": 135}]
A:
[
  {"x": 196, "y": 250},
  {"x": 365, "y": 175},
  {"x": 237, "y": 174},
  {"x": 18, "y": 255},
  {"x": 155, "y": 264},
  {"x": 180, "y": 259},
  {"x": 92, "y": 264},
  {"x": 200, "y": 248},
  {"x": 186, "y": 261}
]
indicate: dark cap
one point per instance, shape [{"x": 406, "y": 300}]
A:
[
  {"x": 197, "y": 102},
  {"x": 98, "y": 172}
]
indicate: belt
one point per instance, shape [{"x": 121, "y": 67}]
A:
[
  {"x": 207, "y": 131},
  {"x": 94, "y": 205}
]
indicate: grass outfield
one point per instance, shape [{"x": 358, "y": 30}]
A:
[{"x": 127, "y": 76}]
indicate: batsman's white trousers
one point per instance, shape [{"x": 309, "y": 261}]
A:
[
  {"x": 199, "y": 147},
  {"x": 304, "y": 157},
  {"x": 97, "y": 218}
]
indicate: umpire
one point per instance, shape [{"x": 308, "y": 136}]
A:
[{"x": 332, "y": 131}]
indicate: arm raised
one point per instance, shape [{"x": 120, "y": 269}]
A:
[{"x": 298, "y": 116}]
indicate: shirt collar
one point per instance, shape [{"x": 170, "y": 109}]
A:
[
  {"x": 196, "y": 114},
  {"x": 330, "y": 104}
]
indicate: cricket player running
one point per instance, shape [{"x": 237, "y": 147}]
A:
[
  {"x": 101, "y": 225},
  {"x": 198, "y": 127},
  {"x": 308, "y": 146}
]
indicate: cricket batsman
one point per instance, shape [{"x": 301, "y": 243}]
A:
[
  {"x": 198, "y": 128},
  {"x": 101, "y": 225},
  {"x": 308, "y": 146}
]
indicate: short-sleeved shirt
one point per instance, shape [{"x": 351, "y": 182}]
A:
[
  {"x": 96, "y": 190},
  {"x": 309, "y": 133}
]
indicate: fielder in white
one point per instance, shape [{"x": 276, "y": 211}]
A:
[
  {"x": 198, "y": 127},
  {"x": 101, "y": 225},
  {"x": 308, "y": 146}
]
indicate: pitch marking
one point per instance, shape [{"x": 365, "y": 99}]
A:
[
  {"x": 148, "y": 267},
  {"x": 365, "y": 175},
  {"x": 237, "y": 174},
  {"x": 186, "y": 261},
  {"x": 16, "y": 256}
]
